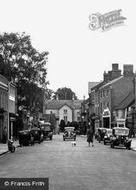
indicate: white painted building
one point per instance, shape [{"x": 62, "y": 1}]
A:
[{"x": 67, "y": 110}]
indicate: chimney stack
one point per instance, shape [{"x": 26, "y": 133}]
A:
[
  {"x": 128, "y": 70},
  {"x": 115, "y": 67},
  {"x": 115, "y": 73},
  {"x": 106, "y": 77}
]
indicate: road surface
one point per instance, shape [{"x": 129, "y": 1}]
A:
[{"x": 73, "y": 168}]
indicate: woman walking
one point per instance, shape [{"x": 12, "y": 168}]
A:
[{"x": 90, "y": 134}]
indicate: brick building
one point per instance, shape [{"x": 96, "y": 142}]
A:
[
  {"x": 95, "y": 95},
  {"x": 3, "y": 108},
  {"x": 109, "y": 94},
  {"x": 12, "y": 109},
  {"x": 94, "y": 99}
]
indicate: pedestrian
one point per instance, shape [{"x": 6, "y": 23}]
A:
[{"x": 90, "y": 134}]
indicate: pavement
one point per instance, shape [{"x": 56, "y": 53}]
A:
[{"x": 4, "y": 147}]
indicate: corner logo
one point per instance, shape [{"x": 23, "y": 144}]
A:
[{"x": 106, "y": 21}]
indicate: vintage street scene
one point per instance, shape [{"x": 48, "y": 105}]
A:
[{"x": 67, "y": 95}]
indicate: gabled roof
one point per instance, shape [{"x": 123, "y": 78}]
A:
[
  {"x": 111, "y": 82},
  {"x": 57, "y": 104},
  {"x": 126, "y": 102},
  {"x": 98, "y": 85},
  {"x": 70, "y": 106},
  {"x": 91, "y": 85}
]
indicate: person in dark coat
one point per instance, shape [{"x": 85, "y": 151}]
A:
[{"x": 90, "y": 134}]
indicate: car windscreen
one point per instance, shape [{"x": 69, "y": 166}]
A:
[
  {"x": 69, "y": 129},
  {"x": 109, "y": 131},
  {"x": 46, "y": 127},
  {"x": 121, "y": 131}
]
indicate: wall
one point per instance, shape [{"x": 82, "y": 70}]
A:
[
  {"x": 69, "y": 113},
  {"x": 121, "y": 89},
  {"x": 76, "y": 115},
  {"x": 12, "y": 99},
  {"x": 3, "y": 106},
  {"x": 49, "y": 111}
]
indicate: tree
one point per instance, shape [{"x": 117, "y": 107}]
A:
[
  {"x": 23, "y": 64},
  {"x": 22, "y": 59},
  {"x": 65, "y": 94},
  {"x": 33, "y": 96}
]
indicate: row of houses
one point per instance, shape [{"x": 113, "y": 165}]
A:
[
  {"x": 8, "y": 108},
  {"x": 112, "y": 100}
]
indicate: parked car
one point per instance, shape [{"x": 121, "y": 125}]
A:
[
  {"x": 101, "y": 134},
  {"x": 96, "y": 134},
  {"x": 69, "y": 133},
  {"x": 120, "y": 137},
  {"x": 107, "y": 136},
  {"x": 25, "y": 138},
  {"x": 47, "y": 130},
  {"x": 37, "y": 134}
]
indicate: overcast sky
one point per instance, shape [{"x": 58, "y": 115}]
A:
[{"x": 77, "y": 55}]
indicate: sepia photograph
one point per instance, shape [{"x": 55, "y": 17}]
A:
[{"x": 67, "y": 95}]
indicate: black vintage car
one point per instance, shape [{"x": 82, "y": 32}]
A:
[
  {"x": 107, "y": 136},
  {"x": 101, "y": 134},
  {"x": 47, "y": 130},
  {"x": 36, "y": 134},
  {"x": 25, "y": 138},
  {"x": 120, "y": 137}
]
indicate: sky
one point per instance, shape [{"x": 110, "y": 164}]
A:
[{"x": 77, "y": 54}]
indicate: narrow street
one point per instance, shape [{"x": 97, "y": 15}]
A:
[{"x": 73, "y": 168}]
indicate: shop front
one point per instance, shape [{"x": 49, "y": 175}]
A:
[{"x": 106, "y": 118}]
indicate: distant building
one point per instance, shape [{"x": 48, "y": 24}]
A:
[{"x": 67, "y": 110}]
